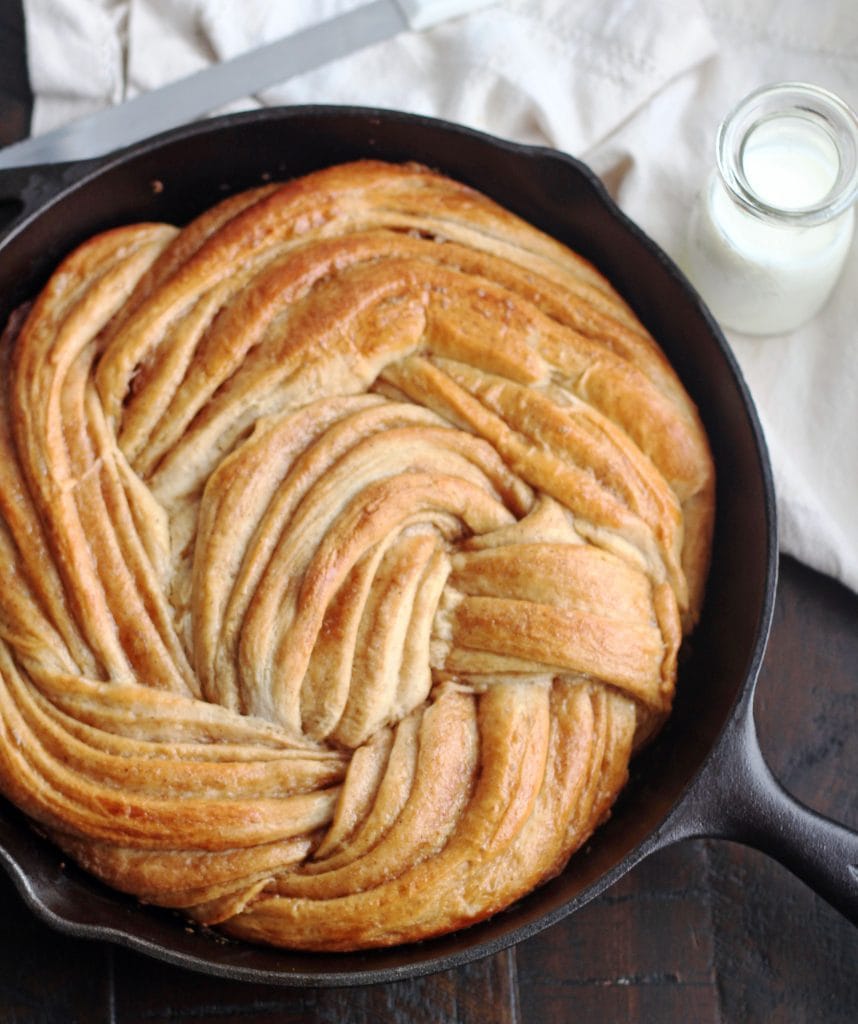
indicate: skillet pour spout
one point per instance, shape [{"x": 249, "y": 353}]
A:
[{"x": 703, "y": 775}]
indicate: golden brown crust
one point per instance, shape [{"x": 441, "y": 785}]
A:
[{"x": 350, "y": 534}]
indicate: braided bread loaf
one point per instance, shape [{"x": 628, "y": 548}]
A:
[{"x": 349, "y": 538}]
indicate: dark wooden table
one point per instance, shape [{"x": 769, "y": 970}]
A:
[{"x": 704, "y": 932}]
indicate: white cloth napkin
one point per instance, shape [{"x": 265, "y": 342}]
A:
[{"x": 635, "y": 87}]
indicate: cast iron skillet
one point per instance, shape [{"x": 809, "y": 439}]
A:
[{"x": 704, "y": 775}]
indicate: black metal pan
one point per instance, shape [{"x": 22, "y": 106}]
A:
[{"x": 704, "y": 775}]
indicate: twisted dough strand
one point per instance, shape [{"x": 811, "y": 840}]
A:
[{"x": 350, "y": 534}]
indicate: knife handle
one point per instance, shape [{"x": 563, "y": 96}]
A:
[{"x": 421, "y": 14}]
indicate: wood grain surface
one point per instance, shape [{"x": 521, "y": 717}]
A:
[{"x": 707, "y": 931}]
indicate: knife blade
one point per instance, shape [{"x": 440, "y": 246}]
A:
[{"x": 199, "y": 94}]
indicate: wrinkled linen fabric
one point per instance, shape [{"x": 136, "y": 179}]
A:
[{"x": 634, "y": 87}]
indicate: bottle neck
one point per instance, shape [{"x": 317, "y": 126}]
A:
[{"x": 788, "y": 155}]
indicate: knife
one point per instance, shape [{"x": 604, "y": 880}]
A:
[{"x": 199, "y": 94}]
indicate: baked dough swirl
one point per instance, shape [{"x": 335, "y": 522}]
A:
[{"x": 349, "y": 537}]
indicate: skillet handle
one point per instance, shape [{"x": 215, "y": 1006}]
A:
[{"x": 737, "y": 797}]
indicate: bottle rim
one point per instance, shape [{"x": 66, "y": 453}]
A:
[{"x": 811, "y": 103}]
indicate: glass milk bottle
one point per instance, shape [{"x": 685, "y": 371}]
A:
[{"x": 773, "y": 225}]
